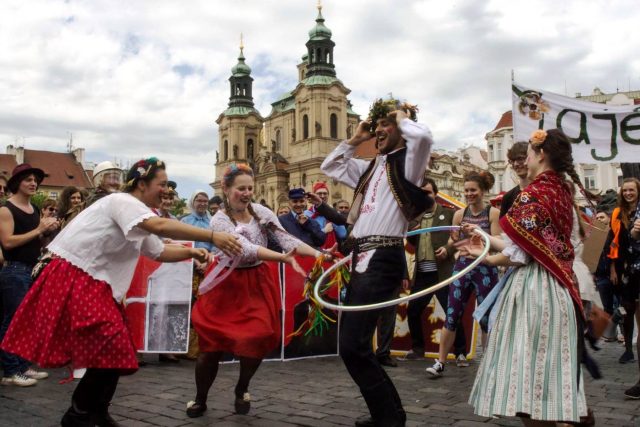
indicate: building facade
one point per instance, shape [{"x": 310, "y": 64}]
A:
[{"x": 287, "y": 147}]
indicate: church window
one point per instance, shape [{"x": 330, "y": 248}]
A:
[
  {"x": 334, "y": 125},
  {"x": 225, "y": 150},
  {"x": 319, "y": 55},
  {"x": 250, "y": 149},
  {"x": 278, "y": 140},
  {"x": 305, "y": 126},
  {"x": 327, "y": 55}
]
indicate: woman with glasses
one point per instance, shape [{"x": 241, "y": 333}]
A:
[
  {"x": 4, "y": 190},
  {"x": 49, "y": 210}
]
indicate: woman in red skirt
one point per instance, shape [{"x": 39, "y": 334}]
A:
[
  {"x": 242, "y": 314},
  {"x": 73, "y": 313}
]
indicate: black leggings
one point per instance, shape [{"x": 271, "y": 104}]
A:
[
  {"x": 207, "y": 370},
  {"x": 95, "y": 390}
]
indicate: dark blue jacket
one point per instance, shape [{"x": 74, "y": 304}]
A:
[{"x": 310, "y": 232}]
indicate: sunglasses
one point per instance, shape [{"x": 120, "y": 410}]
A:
[{"x": 50, "y": 209}]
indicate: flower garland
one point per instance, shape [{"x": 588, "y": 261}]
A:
[
  {"x": 381, "y": 108},
  {"x": 141, "y": 169}
]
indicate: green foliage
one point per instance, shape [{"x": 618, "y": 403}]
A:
[
  {"x": 38, "y": 199},
  {"x": 178, "y": 209}
]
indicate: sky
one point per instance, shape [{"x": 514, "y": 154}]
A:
[{"x": 132, "y": 79}]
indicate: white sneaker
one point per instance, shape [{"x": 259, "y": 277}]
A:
[
  {"x": 20, "y": 380},
  {"x": 436, "y": 370},
  {"x": 461, "y": 361},
  {"x": 36, "y": 375}
]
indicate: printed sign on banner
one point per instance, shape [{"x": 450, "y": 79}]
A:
[
  {"x": 600, "y": 133},
  {"x": 158, "y": 305}
]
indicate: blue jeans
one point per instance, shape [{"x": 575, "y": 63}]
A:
[{"x": 15, "y": 281}]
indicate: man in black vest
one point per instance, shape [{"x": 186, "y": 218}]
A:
[
  {"x": 387, "y": 197},
  {"x": 20, "y": 230}
]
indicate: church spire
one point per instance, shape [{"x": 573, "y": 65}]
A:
[
  {"x": 241, "y": 82},
  {"x": 320, "y": 48}
]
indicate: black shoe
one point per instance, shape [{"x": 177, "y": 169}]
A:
[
  {"x": 627, "y": 357},
  {"x": 195, "y": 409},
  {"x": 242, "y": 404},
  {"x": 633, "y": 392},
  {"x": 75, "y": 418},
  {"x": 388, "y": 361},
  {"x": 365, "y": 422}
]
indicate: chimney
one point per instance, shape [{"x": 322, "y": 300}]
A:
[
  {"x": 19, "y": 152},
  {"x": 78, "y": 153}
]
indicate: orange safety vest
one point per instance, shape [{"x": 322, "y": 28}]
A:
[{"x": 616, "y": 225}]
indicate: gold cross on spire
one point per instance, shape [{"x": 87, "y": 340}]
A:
[
  {"x": 319, "y": 5},
  {"x": 242, "y": 43}
]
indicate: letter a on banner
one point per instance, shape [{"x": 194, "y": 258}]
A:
[{"x": 599, "y": 133}]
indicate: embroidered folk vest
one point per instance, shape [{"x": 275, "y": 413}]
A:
[{"x": 412, "y": 201}]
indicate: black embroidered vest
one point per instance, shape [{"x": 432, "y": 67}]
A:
[{"x": 413, "y": 202}]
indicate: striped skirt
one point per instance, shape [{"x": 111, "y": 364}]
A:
[{"x": 531, "y": 362}]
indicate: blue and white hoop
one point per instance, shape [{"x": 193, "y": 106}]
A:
[{"x": 400, "y": 300}]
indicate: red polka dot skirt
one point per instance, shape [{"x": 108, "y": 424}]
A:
[{"x": 67, "y": 317}]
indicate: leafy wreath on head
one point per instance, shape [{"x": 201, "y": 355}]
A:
[{"x": 381, "y": 108}]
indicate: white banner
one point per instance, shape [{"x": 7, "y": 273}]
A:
[{"x": 599, "y": 133}]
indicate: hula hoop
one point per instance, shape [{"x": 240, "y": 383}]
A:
[{"x": 400, "y": 300}]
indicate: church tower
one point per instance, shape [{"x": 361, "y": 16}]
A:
[
  {"x": 307, "y": 123},
  {"x": 239, "y": 126}
]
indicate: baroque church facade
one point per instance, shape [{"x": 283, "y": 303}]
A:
[{"x": 286, "y": 148}]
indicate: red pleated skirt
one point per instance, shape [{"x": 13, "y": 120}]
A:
[
  {"x": 67, "y": 317},
  {"x": 241, "y": 315}
]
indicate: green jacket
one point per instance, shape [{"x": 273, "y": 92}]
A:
[{"x": 441, "y": 217}]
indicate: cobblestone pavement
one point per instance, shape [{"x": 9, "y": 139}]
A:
[{"x": 312, "y": 392}]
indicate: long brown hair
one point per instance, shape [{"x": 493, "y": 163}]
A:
[{"x": 626, "y": 210}]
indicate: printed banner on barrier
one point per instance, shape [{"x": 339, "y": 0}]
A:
[
  {"x": 600, "y": 133},
  {"x": 158, "y": 305}
]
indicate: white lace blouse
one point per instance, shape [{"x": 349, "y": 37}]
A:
[{"x": 252, "y": 235}]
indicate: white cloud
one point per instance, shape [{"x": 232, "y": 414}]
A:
[{"x": 132, "y": 79}]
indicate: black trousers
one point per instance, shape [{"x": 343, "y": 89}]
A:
[
  {"x": 417, "y": 306},
  {"x": 377, "y": 283}
]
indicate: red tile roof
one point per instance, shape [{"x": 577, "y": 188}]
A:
[
  {"x": 61, "y": 169},
  {"x": 366, "y": 150},
  {"x": 505, "y": 121}
]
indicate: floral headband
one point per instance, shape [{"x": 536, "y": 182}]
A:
[
  {"x": 235, "y": 169},
  {"x": 141, "y": 169},
  {"x": 538, "y": 137},
  {"x": 382, "y": 107}
]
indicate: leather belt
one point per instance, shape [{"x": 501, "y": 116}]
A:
[{"x": 368, "y": 243}]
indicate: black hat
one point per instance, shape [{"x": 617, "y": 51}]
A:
[
  {"x": 296, "y": 193},
  {"x": 172, "y": 185},
  {"x": 22, "y": 171}
]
